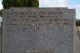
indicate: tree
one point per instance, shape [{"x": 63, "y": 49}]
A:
[
  {"x": 20, "y": 3},
  {"x": 0, "y": 12},
  {"x": 77, "y": 22}
]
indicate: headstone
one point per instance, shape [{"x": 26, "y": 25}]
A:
[
  {"x": 0, "y": 39},
  {"x": 77, "y": 39},
  {"x": 38, "y": 30}
]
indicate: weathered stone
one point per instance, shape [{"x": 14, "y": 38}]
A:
[
  {"x": 0, "y": 39},
  {"x": 38, "y": 28}
]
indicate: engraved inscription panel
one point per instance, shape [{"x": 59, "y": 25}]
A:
[{"x": 38, "y": 28}]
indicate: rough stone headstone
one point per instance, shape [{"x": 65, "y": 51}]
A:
[
  {"x": 77, "y": 39},
  {"x": 41, "y": 30}
]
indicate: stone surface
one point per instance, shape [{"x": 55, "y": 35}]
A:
[
  {"x": 0, "y": 39},
  {"x": 38, "y": 28},
  {"x": 77, "y": 39}
]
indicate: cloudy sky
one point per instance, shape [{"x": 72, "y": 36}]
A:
[{"x": 59, "y": 3}]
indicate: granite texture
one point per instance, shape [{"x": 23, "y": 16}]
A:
[
  {"x": 0, "y": 39},
  {"x": 38, "y": 28}
]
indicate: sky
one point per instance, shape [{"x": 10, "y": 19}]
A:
[{"x": 74, "y": 4}]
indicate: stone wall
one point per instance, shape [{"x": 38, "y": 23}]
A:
[{"x": 38, "y": 28}]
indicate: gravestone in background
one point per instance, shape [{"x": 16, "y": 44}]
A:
[
  {"x": 38, "y": 30},
  {"x": 0, "y": 39}
]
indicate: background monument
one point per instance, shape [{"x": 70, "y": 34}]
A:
[{"x": 34, "y": 29}]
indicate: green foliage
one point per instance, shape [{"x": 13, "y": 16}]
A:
[
  {"x": 20, "y": 3},
  {"x": 77, "y": 22},
  {"x": 0, "y": 12}
]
